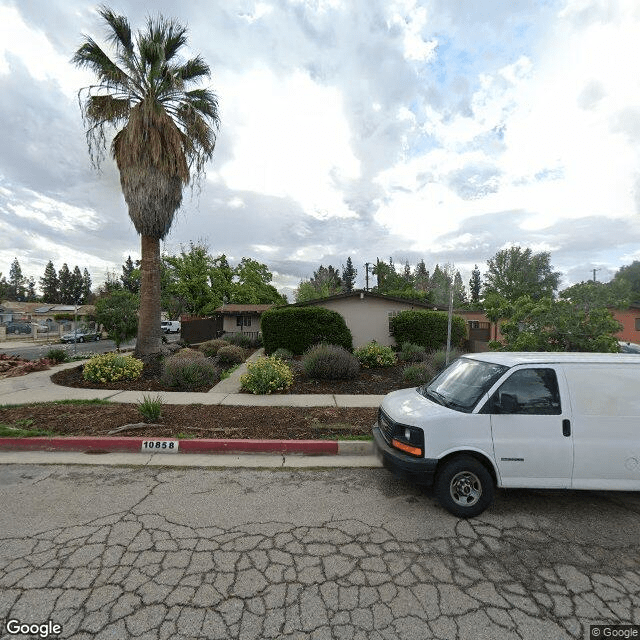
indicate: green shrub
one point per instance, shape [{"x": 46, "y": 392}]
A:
[
  {"x": 266, "y": 375},
  {"x": 298, "y": 328},
  {"x": 428, "y": 328},
  {"x": 210, "y": 348},
  {"x": 439, "y": 357},
  {"x": 282, "y": 354},
  {"x": 57, "y": 355},
  {"x": 150, "y": 408},
  {"x": 187, "y": 373},
  {"x": 231, "y": 355},
  {"x": 375, "y": 355},
  {"x": 410, "y": 352},
  {"x": 418, "y": 374},
  {"x": 111, "y": 367},
  {"x": 238, "y": 339},
  {"x": 189, "y": 353},
  {"x": 329, "y": 362}
]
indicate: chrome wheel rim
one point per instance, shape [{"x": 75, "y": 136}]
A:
[{"x": 465, "y": 489}]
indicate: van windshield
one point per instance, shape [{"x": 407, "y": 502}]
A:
[{"x": 462, "y": 384}]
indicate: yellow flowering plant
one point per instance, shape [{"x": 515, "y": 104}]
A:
[
  {"x": 266, "y": 375},
  {"x": 111, "y": 367}
]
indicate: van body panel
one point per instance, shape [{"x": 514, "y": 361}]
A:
[{"x": 572, "y": 421}]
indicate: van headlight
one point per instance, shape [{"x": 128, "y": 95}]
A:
[{"x": 408, "y": 439}]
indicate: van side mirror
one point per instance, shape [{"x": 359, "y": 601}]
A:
[{"x": 507, "y": 403}]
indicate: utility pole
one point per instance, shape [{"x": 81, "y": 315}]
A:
[
  {"x": 366, "y": 276},
  {"x": 594, "y": 274}
]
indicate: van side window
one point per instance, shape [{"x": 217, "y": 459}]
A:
[{"x": 527, "y": 391}]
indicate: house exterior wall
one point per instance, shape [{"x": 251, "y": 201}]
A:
[
  {"x": 368, "y": 317},
  {"x": 630, "y": 320},
  {"x": 230, "y": 324}
]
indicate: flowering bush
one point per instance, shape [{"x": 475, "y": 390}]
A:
[
  {"x": 111, "y": 367},
  {"x": 189, "y": 371},
  {"x": 266, "y": 375},
  {"x": 375, "y": 355},
  {"x": 330, "y": 362}
]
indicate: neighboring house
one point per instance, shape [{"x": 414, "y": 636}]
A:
[
  {"x": 630, "y": 320},
  {"x": 242, "y": 318},
  {"x": 41, "y": 313},
  {"x": 367, "y": 314}
]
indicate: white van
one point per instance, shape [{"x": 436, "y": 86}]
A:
[
  {"x": 170, "y": 326},
  {"x": 533, "y": 420}
]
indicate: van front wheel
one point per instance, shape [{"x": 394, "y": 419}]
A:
[{"x": 464, "y": 487}]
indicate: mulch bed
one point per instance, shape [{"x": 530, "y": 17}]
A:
[
  {"x": 369, "y": 381},
  {"x": 196, "y": 421}
]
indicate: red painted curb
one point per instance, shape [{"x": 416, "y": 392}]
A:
[{"x": 90, "y": 444}]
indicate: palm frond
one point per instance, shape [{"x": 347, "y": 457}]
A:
[
  {"x": 107, "y": 109},
  {"x": 193, "y": 69},
  {"x": 91, "y": 56},
  {"x": 120, "y": 35}
]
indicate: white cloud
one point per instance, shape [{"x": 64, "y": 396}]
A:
[{"x": 290, "y": 139}]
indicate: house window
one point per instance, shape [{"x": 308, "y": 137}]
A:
[
  {"x": 243, "y": 320},
  {"x": 474, "y": 324},
  {"x": 637, "y": 324},
  {"x": 392, "y": 314}
]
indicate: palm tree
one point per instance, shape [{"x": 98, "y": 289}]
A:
[{"x": 165, "y": 131}]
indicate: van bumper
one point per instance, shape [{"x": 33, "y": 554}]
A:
[{"x": 419, "y": 470}]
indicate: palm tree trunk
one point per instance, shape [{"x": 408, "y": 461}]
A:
[{"x": 149, "y": 333}]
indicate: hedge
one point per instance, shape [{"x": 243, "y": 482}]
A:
[
  {"x": 428, "y": 328},
  {"x": 298, "y": 328}
]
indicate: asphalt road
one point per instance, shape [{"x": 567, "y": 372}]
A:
[
  {"x": 350, "y": 554},
  {"x": 34, "y": 351}
]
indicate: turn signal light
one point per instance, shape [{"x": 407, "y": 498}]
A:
[{"x": 414, "y": 451}]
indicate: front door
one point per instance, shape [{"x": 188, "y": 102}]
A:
[{"x": 531, "y": 430}]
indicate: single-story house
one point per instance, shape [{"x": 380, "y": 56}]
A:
[
  {"x": 242, "y": 318},
  {"x": 367, "y": 314}
]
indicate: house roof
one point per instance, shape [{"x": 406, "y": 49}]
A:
[
  {"x": 44, "y": 308},
  {"x": 235, "y": 309},
  {"x": 361, "y": 293}
]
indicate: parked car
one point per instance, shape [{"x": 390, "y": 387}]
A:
[
  {"x": 628, "y": 347},
  {"x": 40, "y": 327},
  {"x": 81, "y": 335},
  {"x": 170, "y": 326},
  {"x": 18, "y": 327},
  {"x": 527, "y": 420}
]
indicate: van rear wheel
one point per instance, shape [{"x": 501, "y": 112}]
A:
[{"x": 464, "y": 487}]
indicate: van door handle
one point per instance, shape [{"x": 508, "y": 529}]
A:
[{"x": 566, "y": 428}]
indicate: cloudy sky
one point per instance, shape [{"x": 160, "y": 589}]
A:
[{"x": 366, "y": 128}]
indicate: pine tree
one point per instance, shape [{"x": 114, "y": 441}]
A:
[
  {"x": 31, "y": 294},
  {"x": 16, "y": 282},
  {"x": 49, "y": 284},
  {"x": 349, "y": 276},
  {"x": 475, "y": 285},
  {"x": 77, "y": 285},
  {"x": 86, "y": 287},
  {"x": 64, "y": 283},
  {"x": 459, "y": 292},
  {"x": 407, "y": 275},
  {"x": 131, "y": 275},
  {"x": 421, "y": 277}
]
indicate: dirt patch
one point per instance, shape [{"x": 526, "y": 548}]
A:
[{"x": 196, "y": 421}]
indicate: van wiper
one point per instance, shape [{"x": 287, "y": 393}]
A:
[{"x": 438, "y": 397}]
